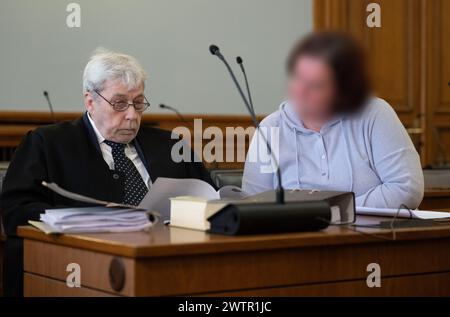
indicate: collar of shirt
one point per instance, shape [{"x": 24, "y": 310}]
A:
[
  {"x": 294, "y": 121},
  {"x": 99, "y": 136}
]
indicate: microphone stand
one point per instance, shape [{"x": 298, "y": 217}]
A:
[
  {"x": 241, "y": 65},
  {"x": 163, "y": 106},
  {"x": 49, "y": 103},
  {"x": 280, "y": 190}
]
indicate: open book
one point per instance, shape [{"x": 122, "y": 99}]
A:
[
  {"x": 157, "y": 200},
  {"x": 160, "y": 193}
]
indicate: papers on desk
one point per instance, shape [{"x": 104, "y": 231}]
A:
[
  {"x": 415, "y": 214},
  {"x": 92, "y": 219},
  {"x": 114, "y": 217}
]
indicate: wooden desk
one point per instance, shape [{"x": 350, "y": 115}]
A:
[
  {"x": 174, "y": 261},
  {"x": 436, "y": 198}
]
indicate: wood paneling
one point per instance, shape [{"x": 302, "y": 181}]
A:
[
  {"x": 14, "y": 125},
  {"x": 437, "y": 97},
  {"x": 393, "y": 51}
]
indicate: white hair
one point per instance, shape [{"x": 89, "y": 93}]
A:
[{"x": 109, "y": 65}]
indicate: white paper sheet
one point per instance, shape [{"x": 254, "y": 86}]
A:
[
  {"x": 66, "y": 213},
  {"x": 159, "y": 194},
  {"x": 93, "y": 219},
  {"x": 416, "y": 214},
  {"x": 48, "y": 229}
]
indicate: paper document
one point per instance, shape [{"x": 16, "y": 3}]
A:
[
  {"x": 93, "y": 219},
  {"x": 416, "y": 214},
  {"x": 159, "y": 194}
]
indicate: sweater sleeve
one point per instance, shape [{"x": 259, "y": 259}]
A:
[{"x": 395, "y": 160}]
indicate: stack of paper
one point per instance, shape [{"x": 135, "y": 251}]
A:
[
  {"x": 403, "y": 213},
  {"x": 93, "y": 219}
]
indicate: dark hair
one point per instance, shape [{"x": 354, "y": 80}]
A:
[{"x": 347, "y": 62}]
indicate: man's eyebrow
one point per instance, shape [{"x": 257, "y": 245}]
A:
[
  {"x": 139, "y": 96},
  {"x": 126, "y": 96},
  {"x": 119, "y": 96}
]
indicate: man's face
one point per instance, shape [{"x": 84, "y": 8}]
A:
[{"x": 116, "y": 126}]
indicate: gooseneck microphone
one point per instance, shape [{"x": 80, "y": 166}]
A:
[
  {"x": 214, "y": 50},
  {"x": 175, "y": 110},
  {"x": 50, "y": 107},
  {"x": 241, "y": 65},
  {"x": 280, "y": 190}
]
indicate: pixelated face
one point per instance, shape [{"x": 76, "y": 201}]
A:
[{"x": 311, "y": 87}]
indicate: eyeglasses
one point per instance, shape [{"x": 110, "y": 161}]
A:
[{"x": 123, "y": 105}]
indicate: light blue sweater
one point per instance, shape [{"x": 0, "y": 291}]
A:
[{"x": 369, "y": 153}]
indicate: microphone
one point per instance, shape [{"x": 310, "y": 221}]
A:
[
  {"x": 49, "y": 103},
  {"x": 280, "y": 191},
  {"x": 214, "y": 50},
  {"x": 241, "y": 65},
  {"x": 182, "y": 118}
]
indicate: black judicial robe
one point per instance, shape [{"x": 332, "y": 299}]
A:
[{"x": 69, "y": 154}]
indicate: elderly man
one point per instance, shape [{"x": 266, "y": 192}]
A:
[{"x": 106, "y": 154}]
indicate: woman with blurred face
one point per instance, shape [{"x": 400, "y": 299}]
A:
[{"x": 332, "y": 134}]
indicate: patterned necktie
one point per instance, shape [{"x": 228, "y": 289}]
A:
[{"x": 135, "y": 188}]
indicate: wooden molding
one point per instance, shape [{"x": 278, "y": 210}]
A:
[
  {"x": 15, "y": 124},
  {"x": 34, "y": 117}
]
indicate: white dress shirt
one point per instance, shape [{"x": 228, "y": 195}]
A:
[{"x": 130, "y": 152}]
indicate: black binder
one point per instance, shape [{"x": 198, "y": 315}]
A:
[
  {"x": 304, "y": 210},
  {"x": 259, "y": 218}
]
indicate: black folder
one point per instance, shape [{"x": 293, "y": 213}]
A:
[
  {"x": 259, "y": 218},
  {"x": 304, "y": 210}
]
